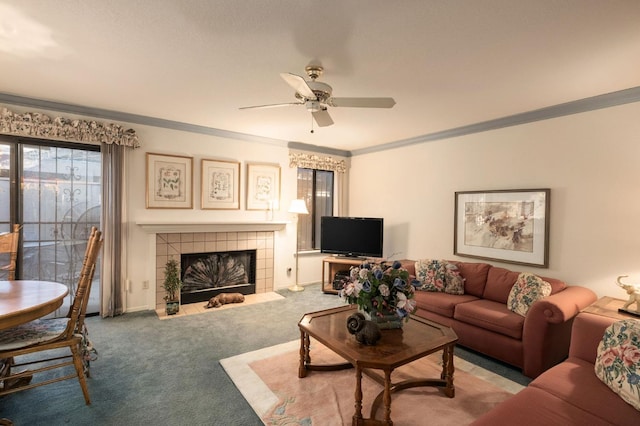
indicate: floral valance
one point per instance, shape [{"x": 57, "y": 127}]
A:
[
  {"x": 35, "y": 124},
  {"x": 313, "y": 161}
]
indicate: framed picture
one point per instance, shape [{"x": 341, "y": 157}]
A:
[
  {"x": 263, "y": 186},
  {"x": 220, "y": 184},
  {"x": 169, "y": 181},
  {"x": 508, "y": 225}
]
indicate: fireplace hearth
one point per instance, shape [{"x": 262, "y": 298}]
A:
[{"x": 205, "y": 275}]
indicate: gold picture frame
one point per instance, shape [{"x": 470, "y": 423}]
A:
[
  {"x": 169, "y": 181},
  {"x": 220, "y": 185},
  {"x": 263, "y": 186}
]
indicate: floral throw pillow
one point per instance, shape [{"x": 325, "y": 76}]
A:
[
  {"x": 454, "y": 283},
  {"x": 618, "y": 360},
  {"x": 431, "y": 273},
  {"x": 528, "y": 289}
]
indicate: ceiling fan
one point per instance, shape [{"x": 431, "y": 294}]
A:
[{"x": 316, "y": 97}]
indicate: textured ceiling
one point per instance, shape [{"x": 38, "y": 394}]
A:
[{"x": 446, "y": 63}]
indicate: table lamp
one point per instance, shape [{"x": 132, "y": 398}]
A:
[{"x": 298, "y": 207}]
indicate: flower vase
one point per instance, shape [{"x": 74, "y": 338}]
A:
[{"x": 385, "y": 320}]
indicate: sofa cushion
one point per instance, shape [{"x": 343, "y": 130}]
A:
[
  {"x": 499, "y": 284},
  {"x": 556, "y": 284},
  {"x": 490, "y": 315},
  {"x": 527, "y": 290},
  {"x": 534, "y": 407},
  {"x": 439, "y": 276},
  {"x": 618, "y": 360},
  {"x": 575, "y": 382},
  {"x": 431, "y": 273},
  {"x": 475, "y": 276},
  {"x": 454, "y": 283},
  {"x": 441, "y": 303}
]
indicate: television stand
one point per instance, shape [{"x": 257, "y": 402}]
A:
[{"x": 331, "y": 265}]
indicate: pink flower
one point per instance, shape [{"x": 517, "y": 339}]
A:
[
  {"x": 630, "y": 355},
  {"x": 609, "y": 357},
  {"x": 349, "y": 289},
  {"x": 410, "y": 305}
]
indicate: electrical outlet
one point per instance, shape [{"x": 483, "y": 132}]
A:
[{"x": 145, "y": 284}]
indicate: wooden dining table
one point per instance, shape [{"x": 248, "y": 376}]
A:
[{"x": 22, "y": 301}]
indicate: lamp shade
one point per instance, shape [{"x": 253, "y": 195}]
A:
[{"x": 298, "y": 206}]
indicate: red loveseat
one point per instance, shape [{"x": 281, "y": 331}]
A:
[
  {"x": 569, "y": 393},
  {"x": 483, "y": 322}
]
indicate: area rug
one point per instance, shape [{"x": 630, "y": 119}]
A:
[{"x": 268, "y": 379}]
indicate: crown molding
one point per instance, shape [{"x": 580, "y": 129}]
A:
[
  {"x": 593, "y": 103},
  {"x": 574, "y": 107}
]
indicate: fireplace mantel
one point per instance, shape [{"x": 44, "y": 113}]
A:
[{"x": 179, "y": 227}]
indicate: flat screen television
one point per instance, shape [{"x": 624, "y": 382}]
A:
[{"x": 351, "y": 236}]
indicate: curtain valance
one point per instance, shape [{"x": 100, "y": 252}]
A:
[
  {"x": 313, "y": 161},
  {"x": 35, "y": 124}
]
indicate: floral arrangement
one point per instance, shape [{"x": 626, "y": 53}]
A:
[{"x": 378, "y": 289}]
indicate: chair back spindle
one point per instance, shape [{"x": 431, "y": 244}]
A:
[{"x": 9, "y": 244}]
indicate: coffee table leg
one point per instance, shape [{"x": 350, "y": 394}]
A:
[
  {"x": 305, "y": 358},
  {"x": 387, "y": 397},
  {"x": 357, "y": 416},
  {"x": 447, "y": 371}
]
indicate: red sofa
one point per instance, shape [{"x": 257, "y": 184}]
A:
[
  {"x": 569, "y": 393},
  {"x": 483, "y": 323}
]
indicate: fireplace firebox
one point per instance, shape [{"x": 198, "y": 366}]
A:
[{"x": 205, "y": 275}]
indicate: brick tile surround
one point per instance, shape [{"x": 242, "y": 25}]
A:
[{"x": 174, "y": 244}]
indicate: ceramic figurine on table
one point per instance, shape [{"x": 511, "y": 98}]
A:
[{"x": 633, "y": 290}]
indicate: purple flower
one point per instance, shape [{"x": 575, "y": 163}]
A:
[
  {"x": 366, "y": 266},
  {"x": 378, "y": 273},
  {"x": 397, "y": 265},
  {"x": 416, "y": 283},
  {"x": 366, "y": 286},
  {"x": 399, "y": 283}
]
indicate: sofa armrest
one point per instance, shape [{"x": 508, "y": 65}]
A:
[
  {"x": 547, "y": 328},
  {"x": 586, "y": 334},
  {"x": 563, "y": 306}
]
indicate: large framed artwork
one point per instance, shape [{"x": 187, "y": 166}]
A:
[
  {"x": 169, "y": 181},
  {"x": 263, "y": 186},
  {"x": 220, "y": 184},
  {"x": 506, "y": 225}
]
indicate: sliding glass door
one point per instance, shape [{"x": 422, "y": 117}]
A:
[{"x": 57, "y": 203}]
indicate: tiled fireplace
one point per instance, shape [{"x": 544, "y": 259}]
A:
[{"x": 175, "y": 244}]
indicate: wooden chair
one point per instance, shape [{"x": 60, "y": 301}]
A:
[
  {"x": 9, "y": 244},
  {"x": 45, "y": 335}
]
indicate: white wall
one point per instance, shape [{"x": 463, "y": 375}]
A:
[{"x": 590, "y": 161}]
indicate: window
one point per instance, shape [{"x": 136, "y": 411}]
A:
[
  {"x": 316, "y": 188},
  {"x": 57, "y": 203}
]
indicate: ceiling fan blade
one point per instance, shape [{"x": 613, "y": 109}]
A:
[
  {"x": 299, "y": 85},
  {"x": 322, "y": 117},
  {"x": 272, "y": 105},
  {"x": 362, "y": 102}
]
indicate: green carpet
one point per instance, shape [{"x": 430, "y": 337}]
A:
[{"x": 168, "y": 372}]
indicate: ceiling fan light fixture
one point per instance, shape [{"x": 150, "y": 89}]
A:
[{"x": 313, "y": 106}]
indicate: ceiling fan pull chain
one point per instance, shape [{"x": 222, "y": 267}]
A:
[{"x": 312, "y": 124}]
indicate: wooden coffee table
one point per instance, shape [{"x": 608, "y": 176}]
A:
[{"x": 418, "y": 338}]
